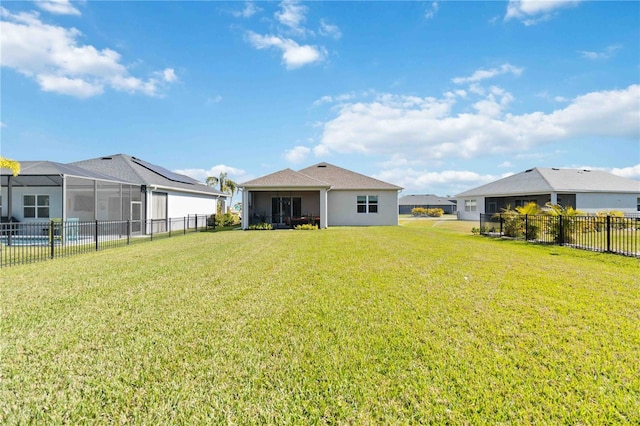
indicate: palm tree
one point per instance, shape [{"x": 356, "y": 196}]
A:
[{"x": 226, "y": 185}]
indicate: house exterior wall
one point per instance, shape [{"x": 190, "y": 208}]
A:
[
  {"x": 181, "y": 204},
  {"x": 463, "y": 214},
  {"x": 342, "y": 208},
  {"x": 596, "y": 202},
  {"x": 17, "y": 202}
]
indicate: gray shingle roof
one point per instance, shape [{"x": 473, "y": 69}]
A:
[
  {"x": 124, "y": 167},
  {"x": 340, "y": 178},
  {"x": 545, "y": 180},
  {"x": 424, "y": 200},
  {"x": 29, "y": 170},
  {"x": 285, "y": 178},
  {"x": 321, "y": 175}
]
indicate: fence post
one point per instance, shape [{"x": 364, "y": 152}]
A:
[
  {"x": 128, "y": 231},
  {"x": 52, "y": 236},
  {"x": 196, "y": 223},
  {"x": 561, "y": 228},
  {"x": 151, "y": 229},
  {"x": 96, "y": 235},
  {"x": 608, "y": 233},
  {"x": 501, "y": 224},
  {"x": 185, "y": 224},
  {"x": 526, "y": 227}
]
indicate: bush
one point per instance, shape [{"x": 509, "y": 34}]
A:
[
  {"x": 263, "y": 226},
  {"x": 227, "y": 219},
  {"x": 306, "y": 227},
  {"x": 419, "y": 211}
]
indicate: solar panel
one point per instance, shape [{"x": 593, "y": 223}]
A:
[{"x": 167, "y": 174}]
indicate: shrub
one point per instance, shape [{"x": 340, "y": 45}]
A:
[
  {"x": 306, "y": 227},
  {"x": 263, "y": 226},
  {"x": 420, "y": 211},
  {"x": 227, "y": 219}
]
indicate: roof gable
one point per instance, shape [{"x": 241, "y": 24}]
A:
[
  {"x": 340, "y": 178},
  {"x": 286, "y": 178}
]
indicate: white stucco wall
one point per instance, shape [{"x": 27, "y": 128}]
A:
[
  {"x": 342, "y": 208},
  {"x": 474, "y": 215},
  {"x": 596, "y": 202},
  {"x": 182, "y": 204},
  {"x": 17, "y": 201}
]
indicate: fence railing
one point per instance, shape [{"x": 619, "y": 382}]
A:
[
  {"x": 22, "y": 242},
  {"x": 610, "y": 234}
]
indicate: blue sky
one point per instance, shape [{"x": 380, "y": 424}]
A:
[{"x": 436, "y": 96}]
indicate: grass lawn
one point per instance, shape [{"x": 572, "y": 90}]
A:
[{"x": 421, "y": 323}]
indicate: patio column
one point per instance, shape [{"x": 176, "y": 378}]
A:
[
  {"x": 323, "y": 209},
  {"x": 554, "y": 198},
  {"x": 245, "y": 209}
]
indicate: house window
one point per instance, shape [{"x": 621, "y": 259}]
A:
[
  {"x": 639, "y": 204},
  {"x": 367, "y": 203},
  {"x": 470, "y": 205},
  {"x": 36, "y": 206}
]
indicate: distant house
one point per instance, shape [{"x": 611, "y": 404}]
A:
[
  {"x": 117, "y": 187},
  {"x": 322, "y": 193},
  {"x": 588, "y": 190},
  {"x": 409, "y": 202}
]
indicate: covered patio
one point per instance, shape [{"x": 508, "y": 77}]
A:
[{"x": 284, "y": 199}]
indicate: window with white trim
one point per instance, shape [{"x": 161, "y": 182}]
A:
[
  {"x": 367, "y": 204},
  {"x": 36, "y": 206},
  {"x": 470, "y": 205}
]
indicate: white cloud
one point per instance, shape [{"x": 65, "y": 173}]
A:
[
  {"x": 431, "y": 12},
  {"x": 631, "y": 172},
  {"x": 52, "y": 56},
  {"x": 506, "y": 164},
  {"x": 426, "y": 128},
  {"x": 480, "y": 75},
  {"x": 447, "y": 182},
  {"x": 531, "y": 12},
  {"x": 249, "y": 10},
  {"x": 58, "y": 7},
  {"x": 292, "y": 16},
  {"x": 329, "y": 30},
  {"x": 293, "y": 54},
  {"x": 297, "y": 154},
  {"x": 235, "y": 174},
  {"x": 608, "y": 52}
]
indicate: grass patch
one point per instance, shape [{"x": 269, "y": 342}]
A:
[{"x": 422, "y": 323}]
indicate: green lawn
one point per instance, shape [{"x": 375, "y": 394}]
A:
[{"x": 421, "y": 323}]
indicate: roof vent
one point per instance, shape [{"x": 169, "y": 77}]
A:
[
  {"x": 528, "y": 170},
  {"x": 322, "y": 165},
  {"x": 585, "y": 170},
  {"x": 106, "y": 158},
  {"x": 553, "y": 168}
]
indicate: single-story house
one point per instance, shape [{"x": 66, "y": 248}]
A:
[
  {"x": 117, "y": 187},
  {"x": 591, "y": 191},
  {"x": 429, "y": 201},
  {"x": 323, "y": 193}
]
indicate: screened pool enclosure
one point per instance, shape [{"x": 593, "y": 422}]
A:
[{"x": 45, "y": 191}]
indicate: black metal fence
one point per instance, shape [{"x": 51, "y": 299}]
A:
[
  {"x": 22, "y": 242},
  {"x": 610, "y": 234}
]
